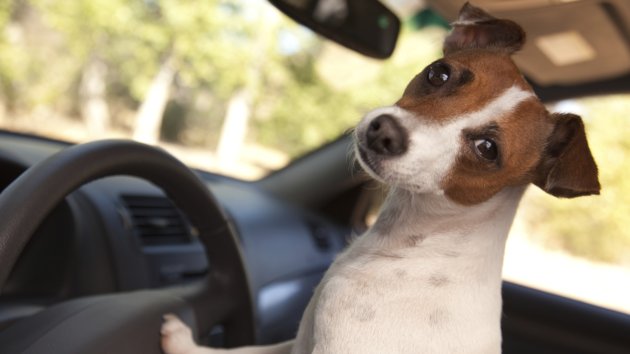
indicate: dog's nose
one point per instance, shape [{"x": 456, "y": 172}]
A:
[{"x": 385, "y": 136}]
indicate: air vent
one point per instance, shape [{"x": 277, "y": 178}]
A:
[{"x": 157, "y": 221}]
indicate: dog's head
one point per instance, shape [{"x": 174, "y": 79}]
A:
[{"x": 469, "y": 125}]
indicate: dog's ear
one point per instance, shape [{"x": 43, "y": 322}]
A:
[
  {"x": 476, "y": 29},
  {"x": 567, "y": 168}
]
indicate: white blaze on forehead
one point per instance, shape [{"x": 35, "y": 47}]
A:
[
  {"x": 494, "y": 110},
  {"x": 433, "y": 147}
]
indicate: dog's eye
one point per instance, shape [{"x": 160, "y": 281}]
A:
[
  {"x": 487, "y": 149},
  {"x": 438, "y": 74}
]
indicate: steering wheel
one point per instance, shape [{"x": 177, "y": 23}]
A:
[{"x": 124, "y": 322}]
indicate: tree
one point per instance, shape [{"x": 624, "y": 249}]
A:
[
  {"x": 6, "y": 8},
  {"x": 153, "y": 42},
  {"x": 14, "y": 61}
]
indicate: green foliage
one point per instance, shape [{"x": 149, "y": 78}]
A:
[
  {"x": 308, "y": 114},
  {"x": 595, "y": 227},
  {"x": 134, "y": 37},
  {"x": 15, "y": 63}
]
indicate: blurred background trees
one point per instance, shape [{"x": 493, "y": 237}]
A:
[{"x": 173, "y": 69}]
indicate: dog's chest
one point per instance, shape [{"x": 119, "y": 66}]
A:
[{"x": 397, "y": 306}]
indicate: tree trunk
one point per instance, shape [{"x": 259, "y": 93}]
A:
[
  {"x": 235, "y": 123},
  {"x": 234, "y": 128},
  {"x": 92, "y": 92},
  {"x": 149, "y": 116}
]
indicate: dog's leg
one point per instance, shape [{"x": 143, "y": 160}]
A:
[{"x": 177, "y": 339}]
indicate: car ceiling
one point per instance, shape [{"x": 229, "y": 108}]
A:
[{"x": 574, "y": 47}]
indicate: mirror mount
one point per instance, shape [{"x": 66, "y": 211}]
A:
[{"x": 365, "y": 26}]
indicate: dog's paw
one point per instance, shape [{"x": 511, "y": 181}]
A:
[{"x": 177, "y": 336}]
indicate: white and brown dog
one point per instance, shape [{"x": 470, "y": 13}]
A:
[{"x": 457, "y": 151}]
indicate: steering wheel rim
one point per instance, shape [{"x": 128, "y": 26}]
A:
[{"x": 221, "y": 297}]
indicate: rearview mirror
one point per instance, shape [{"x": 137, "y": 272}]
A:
[{"x": 365, "y": 26}]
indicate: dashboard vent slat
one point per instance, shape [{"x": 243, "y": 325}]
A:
[{"x": 157, "y": 221}]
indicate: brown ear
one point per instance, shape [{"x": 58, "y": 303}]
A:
[
  {"x": 476, "y": 29},
  {"x": 567, "y": 168}
]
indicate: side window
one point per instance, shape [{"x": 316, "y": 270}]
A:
[{"x": 580, "y": 248}]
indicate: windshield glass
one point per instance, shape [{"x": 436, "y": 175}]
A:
[{"x": 230, "y": 86}]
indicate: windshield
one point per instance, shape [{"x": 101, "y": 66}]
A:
[{"x": 230, "y": 86}]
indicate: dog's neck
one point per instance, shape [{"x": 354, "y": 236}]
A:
[
  {"x": 428, "y": 212},
  {"x": 432, "y": 226},
  {"x": 429, "y": 215}
]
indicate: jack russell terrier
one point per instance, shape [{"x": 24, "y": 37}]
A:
[{"x": 457, "y": 151}]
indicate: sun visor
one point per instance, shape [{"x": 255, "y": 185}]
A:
[
  {"x": 567, "y": 43},
  {"x": 586, "y": 45}
]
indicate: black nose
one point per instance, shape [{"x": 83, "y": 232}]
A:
[{"x": 386, "y": 137}]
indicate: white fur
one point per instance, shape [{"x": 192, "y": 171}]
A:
[
  {"x": 433, "y": 147},
  {"x": 440, "y": 295},
  {"x": 426, "y": 278}
]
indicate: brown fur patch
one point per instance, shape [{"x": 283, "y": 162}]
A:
[
  {"x": 493, "y": 73},
  {"x": 522, "y": 141},
  {"x": 477, "y": 29}
]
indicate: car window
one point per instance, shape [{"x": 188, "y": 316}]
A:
[
  {"x": 231, "y": 86},
  {"x": 580, "y": 247}
]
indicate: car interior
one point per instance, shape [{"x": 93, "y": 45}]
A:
[{"x": 99, "y": 240}]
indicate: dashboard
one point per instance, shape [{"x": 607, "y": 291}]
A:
[{"x": 122, "y": 233}]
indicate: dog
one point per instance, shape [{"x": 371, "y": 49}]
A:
[{"x": 457, "y": 152}]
